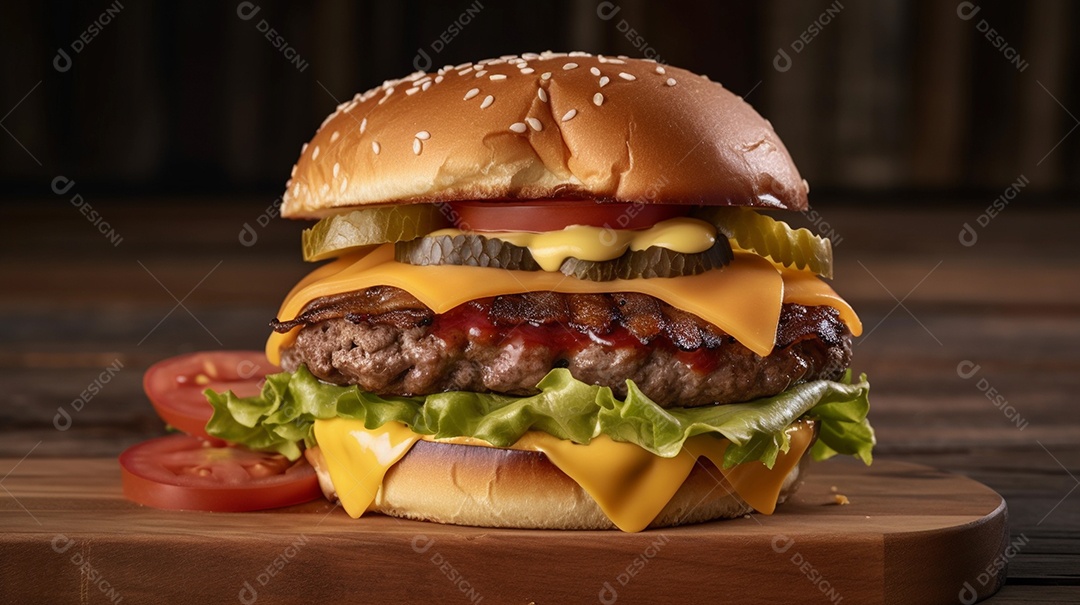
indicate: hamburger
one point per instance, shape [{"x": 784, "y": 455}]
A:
[{"x": 555, "y": 296}]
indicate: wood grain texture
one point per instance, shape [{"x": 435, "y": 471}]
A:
[{"x": 910, "y": 535}]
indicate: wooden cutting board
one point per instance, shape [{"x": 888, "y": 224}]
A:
[{"x": 909, "y": 535}]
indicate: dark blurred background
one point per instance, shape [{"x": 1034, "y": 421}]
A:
[{"x": 150, "y": 97}]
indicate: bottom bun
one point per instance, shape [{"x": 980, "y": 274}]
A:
[{"x": 494, "y": 487}]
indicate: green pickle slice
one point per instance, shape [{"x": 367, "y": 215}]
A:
[
  {"x": 773, "y": 239},
  {"x": 365, "y": 227},
  {"x": 465, "y": 249},
  {"x": 479, "y": 251}
]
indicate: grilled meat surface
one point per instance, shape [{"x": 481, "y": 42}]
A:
[{"x": 387, "y": 342}]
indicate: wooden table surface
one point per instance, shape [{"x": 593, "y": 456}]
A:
[{"x": 973, "y": 351}]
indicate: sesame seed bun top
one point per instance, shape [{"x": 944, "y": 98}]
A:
[{"x": 540, "y": 126}]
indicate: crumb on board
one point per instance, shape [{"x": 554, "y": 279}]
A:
[
  {"x": 834, "y": 489},
  {"x": 841, "y": 499}
]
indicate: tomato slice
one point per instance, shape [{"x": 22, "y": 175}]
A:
[
  {"x": 179, "y": 472},
  {"x": 175, "y": 386},
  {"x": 553, "y": 215}
]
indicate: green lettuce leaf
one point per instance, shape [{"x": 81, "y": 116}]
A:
[{"x": 283, "y": 416}]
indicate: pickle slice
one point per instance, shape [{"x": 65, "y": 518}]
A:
[
  {"x": 341, "y": 233},
  {"x": 465, "y": 249},
  {"x": 479, "y": 251},
  {"x": 773, "y": 239},
  {"x": 651, "y": 262}
]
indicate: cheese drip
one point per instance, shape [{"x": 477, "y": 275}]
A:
[
  {"x": 630, "y": 484},
  {"x": 550, "y": 248}
]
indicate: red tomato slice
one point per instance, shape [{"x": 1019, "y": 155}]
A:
[
  {"x": 553, "y": 215},
  {"x": 179, "y": 472},
  {"x": 175, "y": 386}
]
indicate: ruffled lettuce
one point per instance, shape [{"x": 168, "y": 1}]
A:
[{"x": 283, "y": 415}]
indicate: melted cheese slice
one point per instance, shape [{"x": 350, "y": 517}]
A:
[
  {"x": 742, "y": 298},
  {"x": 630, "y": 484}
]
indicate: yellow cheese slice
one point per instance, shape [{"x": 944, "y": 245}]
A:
[
  {"x": 357, "y": 458},
  {"x": 742, "y": 298},
  {"x": 630, "y": 484}
]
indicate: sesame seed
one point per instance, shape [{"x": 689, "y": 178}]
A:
[
  {"x": 425, "y": 86},
  {"x": 292, "y": 172},
  {"x": 416, "y": 146},
  {"x": 481, "y": 73},
  {"x": 670, "y": 82},
  {"x": 603, "y": 81},
  {"x": 530, "y": 56},
  {"x": 540, "y": 92},
  {"x": 660, "y": 70},
  {"x": 598, "y": 99},
  {"x": 535, "y": 124},
  {"x": 569, "y": 66},
  {"x": 464, "y": 71},
  {"x": 616, "y": 61},
  {"x": 315, "y": 154},
  {"x": 518, "y": 127},
  {"x": 423, "y": 135},
  {"x": 412, "y": 91},
  {"x": 344, "y": 184},
  {"x": 472, "y": 93},
  {"x": 463, "y": 65},
  {"x": 488, "y": 100},
  {"x": 806, "y": 186},
  {"x": 546, "y": 75},
  {"x": 594, "y": 71},
  {"x": 324, "y": 189},
  {"x": 626, "y": 76},
  {"x": 527, "y": 70},
  {"x": 438, "y": 79},
  {"x": 363, "y": 125},
  {"x": 296, "y": 189},
  {"x": 376, "y": 147},
  {"x": 303, "y": 148},
  {"x": 497, "y": 77},
  {"x": 334, "y": 136},
  {"x": 569, "y": 115},
  {"x": 337, "y": 169}
]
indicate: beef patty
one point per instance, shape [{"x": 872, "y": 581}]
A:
[{"x": 387, "y": 342}]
